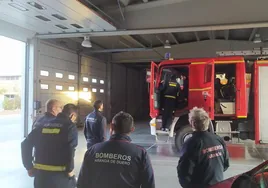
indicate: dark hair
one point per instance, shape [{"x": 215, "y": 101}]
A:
[
  {"x": 173, "y": 77},
  {"x": 123, "y": 123},
  {"x": 68, "y": 109},
  {"x": 97, "y": 104}
]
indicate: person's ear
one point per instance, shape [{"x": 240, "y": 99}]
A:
[{"x": 132, "y": 129}]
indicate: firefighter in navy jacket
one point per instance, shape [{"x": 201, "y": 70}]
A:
[
  {"x": 95, "y": 125},
  {"x": 117, "y": 162},
  {"x": 53, "y": 108},
  {"x": 54, "y": 144},
  {"x": 204, "y": 156}
]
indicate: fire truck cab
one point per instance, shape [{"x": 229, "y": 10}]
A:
[{"x": 218, "y": 85}]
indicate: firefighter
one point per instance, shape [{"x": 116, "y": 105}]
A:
[
  {"x": 95, "y": 125},
  {"x": 54, "y": 143},
  {"x": 53, "y": 108},
  {"x": 117, "y": 162},
  {"x": 170, "y": 92},
  {"x": 204, "y": 156}
]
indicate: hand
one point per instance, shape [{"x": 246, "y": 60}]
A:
[
  {"x": 71, "y": 174},
  {"x": 31, "y": 172}
]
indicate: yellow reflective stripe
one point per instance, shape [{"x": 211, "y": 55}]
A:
[
  {"x": 260, "y": 62},
  {"x": 173, "y": 85},
  {"x": 49, "y": 167},
  {"x": 198, "y": 63},
  {"x": 170, "y": 96},
  {"x": 50, "y": 131},
  {"x": 241, "y": 116},
  {"x": 230, "y": 61},
  {"x": 200, "y": 89}
]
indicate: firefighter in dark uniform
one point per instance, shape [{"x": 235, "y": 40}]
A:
[
  {"x": 204, "y": 156},
  {"x": 54, "y": 144},
  {"x": 117, "y": 163},
  {"x": 170, "y": 92},
  {"x": 53, "y": 108},
  {"x": 95, "y": 125}
]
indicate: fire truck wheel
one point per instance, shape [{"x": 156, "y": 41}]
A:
[{"x": 182, "y": 135}]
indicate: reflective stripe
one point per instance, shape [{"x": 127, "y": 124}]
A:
[
  {"x": 49, "y": 167},
  {"x": 169, "y": 96},
  {"x": 173, "y": 85},
  {"x": 199, "y": 89},
  {"x": 50, "y": 131}
]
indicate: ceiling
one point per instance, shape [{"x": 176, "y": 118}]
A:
[{"x": 135, "y": 31}]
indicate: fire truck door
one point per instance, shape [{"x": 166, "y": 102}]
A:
[
  {"x": 201, "y": 86},
  {"x": 154, "y": 101}
]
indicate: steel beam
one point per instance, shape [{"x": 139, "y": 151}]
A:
[
  {"x": 156, "y": 31},
  {"x": 174, "y": 38},
  {"x": 159, "y": 40},
  {"x": 211, "y": 35},
  {"x": 252, "y": 35},
  {"x": 121, "y": 50},
  {"x": 135, "y": 40}
]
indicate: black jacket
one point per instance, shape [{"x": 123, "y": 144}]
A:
[
  {"x": 203, "y": 160},
  {"x": 94, "y": 129},
  {"x": 43, "y": 119},
  {"x": 54, "y": 143},
  {"x": 116, "y": 163},
  {"x": 171, "y": 88}
]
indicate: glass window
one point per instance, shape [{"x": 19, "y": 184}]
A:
[
  {"x": 58, "y": 87},
  {"x": 94, "y": 90},
  {"x": 85, "y": 79},
  {"x": 102, "y": 90},
  {"x": 94, "y": 80},
  {"x": 85, "y": 89},
  {"x": 208, "y": 73},
  {"x": 44, "y": 86},
  {"x": 59, "y": 75},
  {"x": 44, "y": 73},
  {"x": 71, "y": 77},
  {"x": 101, "y": 81},
  {"x": 71, "y": 88}
]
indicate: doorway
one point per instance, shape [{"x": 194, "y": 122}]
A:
[{"x": 12, "y": 62}]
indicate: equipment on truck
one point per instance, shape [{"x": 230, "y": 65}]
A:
[{"x": 222, "y": 86}]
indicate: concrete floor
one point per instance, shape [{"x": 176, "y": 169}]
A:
[{"x": 164, "y": 160}]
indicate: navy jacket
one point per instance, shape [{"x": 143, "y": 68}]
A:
[
  {"x": 43, "y": 119},
  {"x": 54, "y": 143},
  {"x": 116, "y": 163},
  {"x": 203, "y": 160},
  {"x": 94, "y": 129}
]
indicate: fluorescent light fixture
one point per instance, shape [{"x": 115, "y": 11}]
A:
[
  {"x": 167, "y": 44},
  {"x": 36, "y": 5},
  {"x": 101, "y": 81},
  {"x": 86, "y": 42},
  {"x": 257, "y": 38},
  {"x": 94, "y": 80},
  {"x": 85, "y": 89},
  {"x": 44, "y": 86},
  {"x": 101, "y": 90},
  {"x": 94, "y": 90},
  {"x": 17, "y": 6}
]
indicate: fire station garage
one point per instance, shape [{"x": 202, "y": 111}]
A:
[{"x": 121, "y": 52}]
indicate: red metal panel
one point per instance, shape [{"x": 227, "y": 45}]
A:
[{"x": 153, "y": 111}]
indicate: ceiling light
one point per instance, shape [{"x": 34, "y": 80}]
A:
[
  {"x": 36, "y": 5},
  {"x": 17, "y": 6},
  {"x": 167, "y": 44},
  {"x": 86, "y": 42},
  {"x": 257, "y": 39}
]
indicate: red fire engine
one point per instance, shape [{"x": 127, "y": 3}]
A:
[{"x": 223, "y": 87}]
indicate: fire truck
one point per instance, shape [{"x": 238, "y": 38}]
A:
[{"x": 233, "y": 92}]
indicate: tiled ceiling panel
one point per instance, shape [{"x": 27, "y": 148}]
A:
[{"x": 52, "y": 16}]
